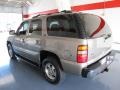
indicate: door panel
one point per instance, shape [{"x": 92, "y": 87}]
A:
[
  {"x": 33, "y": 47},
  {"x": 32, "y": 43},
  {"x": 18, "y": 43}
]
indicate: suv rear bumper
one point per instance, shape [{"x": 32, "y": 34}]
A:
[
  {"x": 90, "y": 70},
  {"x": 97, "y": 67}
]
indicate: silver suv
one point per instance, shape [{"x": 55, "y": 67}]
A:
[{"x": 78, "y": 43}]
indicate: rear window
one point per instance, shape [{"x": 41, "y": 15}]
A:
[
  {"x": 94, "y": 25},
  {"x": 63, "y": 26}
]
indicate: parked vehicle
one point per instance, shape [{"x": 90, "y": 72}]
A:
[{"x": 78, "y": 43}]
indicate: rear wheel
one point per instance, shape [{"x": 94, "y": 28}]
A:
[
  {"x": 10, "y": 51},
  {"x": 51, "y": 70}
]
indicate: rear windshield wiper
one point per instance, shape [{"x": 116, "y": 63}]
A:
[{"x": 108, "y": 36}]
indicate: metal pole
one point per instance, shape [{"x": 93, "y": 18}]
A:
[{"x": 22, "y": 12}]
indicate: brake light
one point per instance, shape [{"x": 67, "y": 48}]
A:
[{"x": 82, "y": 53}]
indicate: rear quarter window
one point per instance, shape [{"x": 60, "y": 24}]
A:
[
  {"x": 62, "y": 26},
  {"x": 95, "y": 26}
]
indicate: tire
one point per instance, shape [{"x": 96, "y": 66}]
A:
[
  {"x": 11, "y": 51},
  {"x": 54, "y": 75}
]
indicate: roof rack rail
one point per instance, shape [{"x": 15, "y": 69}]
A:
[
  {"x": 36, "y": 16},
  {"x": 66, "y": 11},
  {"x": 43, "y": 14}
]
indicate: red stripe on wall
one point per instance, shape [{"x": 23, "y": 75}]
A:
[{"x": 100, "y": 5}]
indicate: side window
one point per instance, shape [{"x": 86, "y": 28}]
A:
[
  {"x": 62, "y": 26},
  {"x": 23, "y": 28},
  {"x": 36, "y": 27}
]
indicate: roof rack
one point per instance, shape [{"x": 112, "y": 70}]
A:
[
  {"x": 43, "y": 14},
  {"x": 36, "y": 16},
  {"x": 64, "y": 11}
]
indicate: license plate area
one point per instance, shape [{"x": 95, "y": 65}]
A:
[
  {"x": 107, "y": 60},
  {"x": 103, "y": 61}
]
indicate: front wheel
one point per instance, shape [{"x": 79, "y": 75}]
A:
[
  {"x": 10, "y": 51},
  {"x": 52, "y": 71}
]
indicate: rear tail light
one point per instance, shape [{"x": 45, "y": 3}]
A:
[{"x": 82, "y": 53}]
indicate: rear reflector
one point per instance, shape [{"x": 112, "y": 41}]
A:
[{"x": 82, "y": 54}]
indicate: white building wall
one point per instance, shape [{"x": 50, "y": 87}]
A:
[
  {"x": 10, "y": 17},
  {"x": 63, "y": 5},
  {"x": 9, "y": 21},
  {"x": 42, "y": 5},
  {"x": 112, "y": 16},
  {"x": 7, "y": 9}
]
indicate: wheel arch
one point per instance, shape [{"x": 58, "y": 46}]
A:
[{"x": 44, "y": 54}]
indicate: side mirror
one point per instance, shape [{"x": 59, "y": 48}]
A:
[{"x": 12, "y": 32}]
